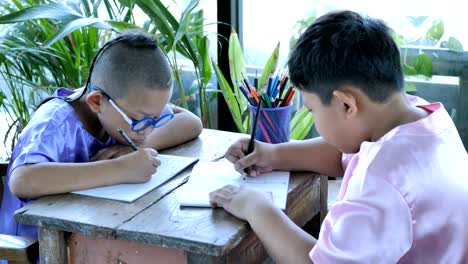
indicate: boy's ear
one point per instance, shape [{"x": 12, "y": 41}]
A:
[
  {"x": 347, "y": 101},
  {"x": 94, "y": 101}
]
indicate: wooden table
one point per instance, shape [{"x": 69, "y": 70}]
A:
[{"x": 154, "y": 229}]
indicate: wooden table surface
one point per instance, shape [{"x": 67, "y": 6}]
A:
[{"x": 156, "y": 219}]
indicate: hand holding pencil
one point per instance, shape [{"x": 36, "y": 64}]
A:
[
  {"x": 139, "y": 165},
  {"x": 258, "y": 162}
]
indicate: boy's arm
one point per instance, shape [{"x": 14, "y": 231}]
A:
[
  {"x": 34, "y": 180},
  {"x": 308, "y": 155},
  {"x": 182, "y": 128},
  {"x": 284, "y": 240}
]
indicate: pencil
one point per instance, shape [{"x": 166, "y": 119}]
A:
[
  {"x": 251, "y": 146},
  {"x": 127, "y": 139}
]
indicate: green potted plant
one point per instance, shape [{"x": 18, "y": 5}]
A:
[
  {"x": 49, "y": 44},
  {"x": 302, "y": 121}
]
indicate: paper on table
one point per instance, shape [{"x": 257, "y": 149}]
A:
[
  {"x": 170, "y": 166},
  {"x": 209, "y": 176}
]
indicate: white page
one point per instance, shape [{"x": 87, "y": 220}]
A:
[
  {"x": 209, "y": 176},
  {"x": 170, "y": 166}
]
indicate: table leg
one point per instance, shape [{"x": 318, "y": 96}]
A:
[
  {"x": 52, "y": 247},
  {"x": 323, "y": 197}
]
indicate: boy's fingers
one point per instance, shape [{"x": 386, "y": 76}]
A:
[
  {"x": 104, "y": 154},
  {"x": 244, "y": 144},
  {"x": 218, "y": 199},
  {"x": 151, "y": 152},
  {"x": 247, "y": 161},
  {"x": 234, "y": 155},
  {"x": 156, "y": 162}
]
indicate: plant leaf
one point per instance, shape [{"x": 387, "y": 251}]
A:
[
  {"x": 162, "y": 18},
  {"x": 229, "y": 97},
  {"x": 436, "y": 31},
  {"x": 121, "y": 26},
  {"x": 398, "y": 38},
  {"x": 410, "y": 87},
  {"x": 237, "y": 67},
  {"x": 205, "y": 66},
  {"x": 127, "y": 3},
  {"x": 455, "y": 45},
  {"x": 301, "y": 123},
  {"x": 409, "y": 70},
  {"x": 74, "y": 25},
  {"x": 184, "y": 22},
  {"x": 269, "y": 69},
  {"x": 2, "y": 97},
  {"x": 50, "y": 11},
  {"x": 423, "y": 64},
  {"x": 417, "y": 21}
]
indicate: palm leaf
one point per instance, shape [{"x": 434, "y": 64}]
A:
[
  {"x": 301, "y": 123},
  {"x": 229, "y": 97},
  {"x": 74, "y": 25},
  {"x": 50, "y": 11},
  {"x": 237, "y": 67},
  {"x": 269, "y": 69}
]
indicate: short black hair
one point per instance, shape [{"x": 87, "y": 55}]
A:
[
  {"x": 130, "y": 61},
  {"x": 344, "y": 48}
]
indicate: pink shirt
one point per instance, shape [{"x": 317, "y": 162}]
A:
[{"x": 403, "y": 198}]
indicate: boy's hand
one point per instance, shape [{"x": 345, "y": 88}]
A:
[
  {"x": 258, "y": 162},
  {"x": 112, "y": 152},
  {"x": 242, "y": 202},
  {"x": 140, "y": 165}
]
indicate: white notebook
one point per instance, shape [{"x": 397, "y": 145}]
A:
[
  {"x": 209, "y": 176},
  {"x": 170, "y": 167}
]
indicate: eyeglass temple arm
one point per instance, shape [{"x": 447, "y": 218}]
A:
[{"x": 129, "y": 121}]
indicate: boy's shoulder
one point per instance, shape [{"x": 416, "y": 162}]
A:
[
  {"x": 53, "y": 114},
  {"x": 431, "y": 142}
]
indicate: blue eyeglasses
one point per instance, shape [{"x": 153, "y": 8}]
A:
[{"x": 137, "y": 125}]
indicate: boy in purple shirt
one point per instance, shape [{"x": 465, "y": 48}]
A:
[
  {"x": 404, "y": 167},
  {"x": 129, "y": 87}
]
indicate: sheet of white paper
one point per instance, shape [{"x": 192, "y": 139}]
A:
[
  {"x": 170, "y": 166},
  {"x": 209, "y": 176}
]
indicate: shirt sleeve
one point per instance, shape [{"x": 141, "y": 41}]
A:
[
  {"x": 38, "y": 147},
  {"x": 168, "y": 109},
  {"x": 371, "y": 225}
]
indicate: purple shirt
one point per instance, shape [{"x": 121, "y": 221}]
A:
[
  {"x": 402, "y": 199},
  {"x": 54, "y": 134}
]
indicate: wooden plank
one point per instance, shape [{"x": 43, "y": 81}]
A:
[
  {"x": 101, "y": 217},
  {"x": 212, "y": 231},
  {"x": 89, "y": 215},
  {"x": 21, "y": 249},
  {"x": 52, "y": 247},
  {"x": 210, "y": 145},
  {"x": 86, "y": 249},
  {"x": 323, "y": 197}
]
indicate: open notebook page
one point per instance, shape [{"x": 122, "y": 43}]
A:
[
  {"x": 209, "y": 176},
  {"x": 170, "y": 167}
]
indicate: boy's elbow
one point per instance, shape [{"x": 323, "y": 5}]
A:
[
  {"x": 197, "y": 127},
  {"x": 18, "y": 183},
  {"x": 193, "y": 124}
]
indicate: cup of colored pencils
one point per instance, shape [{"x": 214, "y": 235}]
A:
[{"x": 275, "y": 114}]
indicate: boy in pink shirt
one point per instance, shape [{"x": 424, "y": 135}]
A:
[{"x": 403, "y": 164}]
